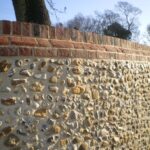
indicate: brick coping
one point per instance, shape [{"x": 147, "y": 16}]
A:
[
  {"x": 48, "y": 32},
  {"x": 26, "y": 39}
]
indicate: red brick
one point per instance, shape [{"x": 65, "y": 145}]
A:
[
  {"x": 112, "y": 55},
  {"x": 40, "y": 52},
  {"x": 23, "y": 41},
  {"x": 52, "y": 32},
  {"x": 95, "y": 38},
  {"x": 26, "y": 29},
  {"x": 1, "y": 27},
  {"x": 79, "y": 54},
  {"x": 4, "y": 40},
  {"x": 6, "y": 27},
  {"x": 8, "y": 51},
  {"x": 89, "y": 37},
  {"x": 29, "y": 41},
  {"x": 74, "y": 35},
  {"x": 16, "y": 28},
  {"x": 35, "y": 28},
  {"x": 12, "y": 52},
  {"x": 3, "y": 51},
  {"x": 64, "y": 53},
  {"x": 116, "y": 41},
  {"x": 67, "y": 34},
  {"x": 100, "y": 39},
  {"x": 111, "y": 48},
  {"x": 120, "y": 56},
  {"x": 52, "y": 52},
  {"x": 78, "y": 45},
  {"x": 59, "y": 33},
  {"x": 25, "y": 51},
  {"x": 89, "y": 46},
  {"x": 43, "y": 42},
  {"x": 61, "y": 44},
  {"x": 44, "y": 31},
  {"x": 100, "y": 47},
  {"x": 16, "y": 40},
  {"x": 148, "y": 58},
  {"x": 92, "y": 54},
  {"x": 80, "y": 36},
  {"x": 140, "y": 58},
  {"x": 102, "y": 55}
]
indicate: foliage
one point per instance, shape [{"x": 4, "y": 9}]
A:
[
  {"x": 126, "y": 16},
  {"x": 129, "y": 14},
  {"x": 82, "y": 23},
  {"x": 117, "y": 30}
]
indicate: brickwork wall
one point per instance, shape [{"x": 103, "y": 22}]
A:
[{"x": 61, "y": 89}]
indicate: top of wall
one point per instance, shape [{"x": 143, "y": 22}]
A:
[
  {"x": 50, "y": 32},
  {"x": 29, "y": 39}
]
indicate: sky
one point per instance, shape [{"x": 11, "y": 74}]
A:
[{"x": 86, "y": 7}]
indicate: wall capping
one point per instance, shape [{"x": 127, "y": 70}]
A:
[
  {"x": 28, "y": 39},
  {"x": 49, "y": 32}
]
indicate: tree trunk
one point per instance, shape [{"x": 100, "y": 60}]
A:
[
  {"x": 20, "y": 9},
  {"x": 37, "y": 12},
  {"x": 34, "y": 11}
]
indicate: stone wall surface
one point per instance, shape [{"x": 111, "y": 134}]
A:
[{"x": 61, "y": 89}]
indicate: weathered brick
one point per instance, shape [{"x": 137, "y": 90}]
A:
[
  {"x": 112, "y": 55},
  {"x": 95, "y": 38},
  {"x": 74, "y": 35},
  {"x": 3, "y": 51},
  {"x": 16, "y": 28},
  {"x": 102, "y": 55},
  {"x": 35, "y": 30},
  {"x": 110, "y": 48},
  {"x": 78, "y": 45},
  {"x": 61, "y": 44},
  {"x": 89, "y": 46},
  {"x": 40, "y": 52},
  {"x": 120, "y": 56},
  {"x": 79, "y": 54},
  {"x": 63, "y": 53},
  {"x": 52, "y": 52},
  {"x": 12, "y": 52},
  {"x": 52, "y": 32},
  {"x": 4, "y": 40},
  {"x": 23, "y": 41},
  {"x": 100, "y": 47},
  {"x": 26, "y": 29},
  {"x": 8, "y": 51},
  {"x": 92, "y": 54},
  {"x": 100, "y": 40},
  {"x": 6, "y": 27},
  {"x": 67, "y": 34},
  {"x": 25, "y": 51},
  {"x": 59, "y": 33},
  {"x": 89, "y": 37},
  {"x": 44, "y": 31},
  {"x": 43, "y": 42},
  {"x": 1, "y": 27}
]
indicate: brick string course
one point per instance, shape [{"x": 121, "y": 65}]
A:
[{"x": 26, "y": 39}]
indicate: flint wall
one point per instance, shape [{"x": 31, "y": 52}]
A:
[{"x": 64, "y": 89}]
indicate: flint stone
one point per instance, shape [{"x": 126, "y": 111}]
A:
[
  {"x": 16, "y": 82},
  {"x": 8, "y": 101}
]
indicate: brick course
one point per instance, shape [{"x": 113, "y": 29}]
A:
[{"x": 27, "y": 39}]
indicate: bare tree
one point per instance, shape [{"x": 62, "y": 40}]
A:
[
  {"x": 103, "y": 20},
  {"x": 130, "y": 15},
  {"x": 82, "y": 23},
  {"x": 117, "y": 30}
]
